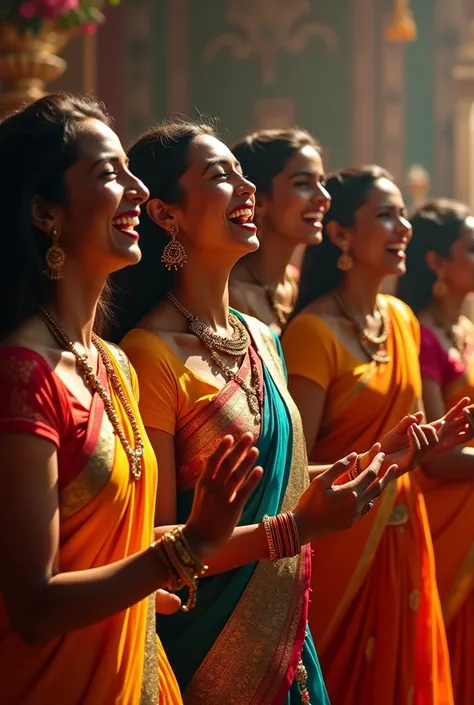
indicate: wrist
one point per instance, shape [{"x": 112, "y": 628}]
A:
[{"x": 196, "y": 543}]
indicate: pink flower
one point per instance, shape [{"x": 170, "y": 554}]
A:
[
  {"x": 28, "y": 10},
  {"x": 56, "y": 8}
]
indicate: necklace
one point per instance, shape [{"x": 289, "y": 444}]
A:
[
  {"x": 455, "y": 332},
  {"x": 281, "y": 312},
  {"x": 366, "y": 339},
  {"x": 134, "y": 454},
  {"x": 236, "y": 346}
]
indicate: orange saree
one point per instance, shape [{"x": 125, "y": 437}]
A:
[
  {"x": 450, "y": 508},
  {"x": 375, "y": 613},
  {"x": 105, "y": 515}
]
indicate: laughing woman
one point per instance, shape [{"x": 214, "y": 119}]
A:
[
  {"x": 440, "y": 274},
  {"x": 352, "y": 357},
  {"x": 78, "y": 569},
  {"x": 287, "y": 169},
  {"x": 205, "y": 371}
]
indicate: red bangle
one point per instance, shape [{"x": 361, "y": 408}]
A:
[{"x": 282, "y": 536}]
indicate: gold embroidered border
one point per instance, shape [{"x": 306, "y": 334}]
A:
[
  {"x": 257, "y": 642},
  {"x": 462, "y": 587},
  {"x": 150, "y": 692},
  {"x": 94, "y": 476}
]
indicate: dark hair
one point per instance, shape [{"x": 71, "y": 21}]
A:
[
  {"x": 436, "y": 227},
  {"x": 349, "y": 189},
  {"x": 37, "y": 145},
  {"x": 263, "y": 155},
  {"x": 159, "y": 157}
]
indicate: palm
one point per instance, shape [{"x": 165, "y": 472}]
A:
[{"x": 396, "y": 447}]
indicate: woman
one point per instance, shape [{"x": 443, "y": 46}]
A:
[
  {"x": 352, "y": 358},
  {"x": 440, "y": 274},
  {"x": 286, "y": 167},
  {"x": 204, "y": 371},
  {"x": 77, "y": 562}
]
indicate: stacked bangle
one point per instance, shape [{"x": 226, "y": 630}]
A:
[
  {"x": 180, "y": 562},
  {"x": 282, "y": 536}
]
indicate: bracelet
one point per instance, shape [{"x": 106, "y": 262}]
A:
[
  {"x": 356, "y": 469},
  {"x": 184, "y": 568},
  {"x": 282, "y": 536}
]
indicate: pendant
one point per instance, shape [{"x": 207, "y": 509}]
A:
[{"x": 381, "y": 356}]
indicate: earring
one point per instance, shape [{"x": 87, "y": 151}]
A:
[
  {"x": 55, "y": 257},
  {"x": 174, "y": 255},
  {"x": 439, "y": 288},
  {"x": 345, "y": 261}
]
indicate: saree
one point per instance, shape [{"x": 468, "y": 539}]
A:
[
  {"x": 105, "y": 515},
  {"x": 450, "y": 507},
  {"x": 242, "y": 642},
  {"x": 375, "y": 613}
]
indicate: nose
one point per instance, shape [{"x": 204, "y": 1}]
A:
[
  {"x": 323, "y": 197},
  {"x": 245, "y": 186},
  {"x": 404, "y": 226},
  {"x": 136, "y": 191}
]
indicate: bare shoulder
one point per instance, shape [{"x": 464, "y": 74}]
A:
[{"x": 33, "y": 335}]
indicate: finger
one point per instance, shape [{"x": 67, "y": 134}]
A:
[
  {"x": 457, "y": 409},
  {"x": 246, "y": 488},
  {"x": 415, "y": 440},
  {"x": 407, "y": 421},
  {"x": 166, "y": 602},
  {"x": 240, "y": 470},
  {"x": 339, "y": 468},
  {"x": 367, "y": 477},
  {"x": 430, "y": 435},
  {"x": 215, "y": 459},
  {"x": 376, "y": 488},
  {"x": 372, "y": 453},
  {"x": 238, "y": 454}
]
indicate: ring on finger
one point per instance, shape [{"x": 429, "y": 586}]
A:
[{"x": 367, "y": 508}]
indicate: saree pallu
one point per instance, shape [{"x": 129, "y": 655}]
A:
[
  {"x": 105, "y": 516},
  {"x": 450, "y": 507},
  {"x": 242, "y": 642},
  {"x": 375, "y": 613}
]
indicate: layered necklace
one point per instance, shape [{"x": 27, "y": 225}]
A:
[
  {"x": 366, "y": 339},
  {"x": 455, "y": 333},
  {"x": 281, "y": 312},
  {"x": 235, "y": 346},
  {"x": 134, "y": 453}
]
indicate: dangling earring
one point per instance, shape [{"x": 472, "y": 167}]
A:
[
  {"x": 345, "y": 261},
  {"x": 55, "y": 257},
  {"x": 174, "y": 254},
  {"x": 439, "y": 288}
]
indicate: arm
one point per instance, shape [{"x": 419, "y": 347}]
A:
[{"x": 456, "y": 464}]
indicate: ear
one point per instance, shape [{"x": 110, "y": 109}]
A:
[
  {"x": 44, "y": 216},
  {"x": 161, "y": 214},
  {"x": 339, "y": 236},
  {"x": 435, "y": 263},
  {"x": 261, "y": 206}
]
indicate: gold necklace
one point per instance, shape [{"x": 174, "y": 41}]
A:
[
  {"x": 134, "y": 454},
  {"x": 365, "y": 337},
  {"x": 459, "y": 339},
  {"x": 281, "y": 312},
  {"x": 238, "y": 345}
]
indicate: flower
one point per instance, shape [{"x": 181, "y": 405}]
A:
[
  {"x": 67, "y": 14},
  {"x": 27, "y": 10}
]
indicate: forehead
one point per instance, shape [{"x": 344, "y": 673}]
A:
[
  {"x": 206, "y": 148},
  {"x": 95, "y": 137},
  {"x": 305, "y": 159},
  {"x": 384, "y": 191}
]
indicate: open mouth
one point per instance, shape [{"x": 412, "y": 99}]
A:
[
  {"x": 127, "y": 224},
  {"x": 243, "y": 216},
  {"x": 314, "y": 218},
  {"x": 397, "y": 249}
]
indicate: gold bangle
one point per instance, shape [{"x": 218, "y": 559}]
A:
[{"x": 272, "y": 553}]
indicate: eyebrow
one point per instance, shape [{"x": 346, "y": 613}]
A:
[
  {"x": 107, "y": 158},
  {"x": 220, "y": 161},
  {"x": 306, "y": 173}
]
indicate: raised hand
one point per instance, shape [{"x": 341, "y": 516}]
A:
[
  {"x": 226, "y": 483},
  {"x": 455, "y": 427},
  {"x": 407, "y": 444},
  {"x": 327, "y": 508}
]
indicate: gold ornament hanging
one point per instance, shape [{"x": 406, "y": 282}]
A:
[{"x": 402, "y": 27}]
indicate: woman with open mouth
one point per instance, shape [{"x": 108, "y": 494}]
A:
[
  {"x": 352, "y": 357},
  {"x": 206, "y": 370},
  {"x": 440, "y": 275},
  {"x": 287, "y": 169}
]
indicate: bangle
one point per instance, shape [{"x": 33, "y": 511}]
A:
[
  {"x": 180, "y": 562},
  {"x": 356, "y": 469},
  {"x": 282, "y": 536}
]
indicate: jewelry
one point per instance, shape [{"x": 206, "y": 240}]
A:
[
  {"x": 235, "y": 346},
  {"x": 356, "y": 469},
  {"x": 301, "y": 677},
  {"x": 367, "y": 508},
  {"x": 456, "y": 334},
  {"x": 55, "y": 257},
  {"x": 282, "y": 536},
  {"x": 345, "y": 261},
  {"x": 281, "y": 312},
  {"x": 134, "y": 454},
  {"x": 180, "y": 562},
  {"x": 366, "y": 339},
  {"x": 439, "y": 288},
  {"x": 174, "y": 255}
]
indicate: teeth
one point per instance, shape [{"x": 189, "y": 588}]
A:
[
  {"x": 396, "y": 248},
  {"x": 316, "y": 215},
  {"x": 127, "y": 221},
  {"x": 245, "y": 213}
]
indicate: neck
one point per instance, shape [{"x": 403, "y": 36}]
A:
[
  {"x": 360, "y": 290},
  {"x": 203, "y": 291},
  {"x": 449, "y": 307},
  {"x": 270, "y": 261},
  {"x": 77, "y": 320}
]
